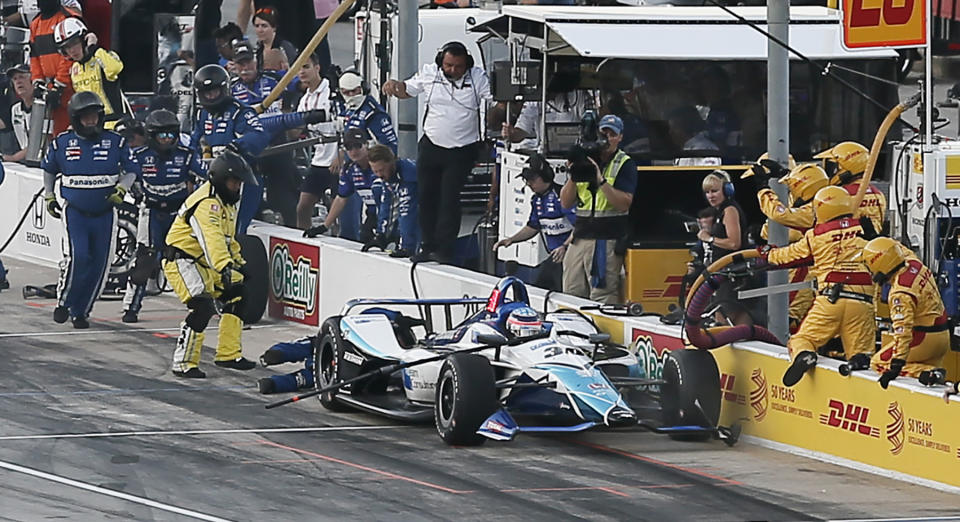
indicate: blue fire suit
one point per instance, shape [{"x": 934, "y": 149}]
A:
[
  {"x": 356, "y": 186},
  {"x": 89, "y": 172},
  {"x": 166, "y": 180},
  {"x": 277, "y": 173},
  {"x": 555, "y": 224},
  {"x": 295, "y": 351},
  {"x": 235, "y": 124},
  {"x": 372, "y": 118},
  {"x": 397, "y": 202}
]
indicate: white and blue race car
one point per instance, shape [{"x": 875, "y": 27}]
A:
[{"x": 478, "y": 381}]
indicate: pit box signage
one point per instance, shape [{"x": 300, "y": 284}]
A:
[{"x": 294, "y": 281}]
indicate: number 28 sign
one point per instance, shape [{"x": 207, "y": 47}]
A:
[{"x": 884, "y": 23}]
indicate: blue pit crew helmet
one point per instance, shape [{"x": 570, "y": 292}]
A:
[{"x": 524, "y": 321}]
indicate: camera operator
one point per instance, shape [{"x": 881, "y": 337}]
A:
[{"x": 601, "y": 186}]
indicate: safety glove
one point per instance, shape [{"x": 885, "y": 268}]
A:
[
  {"x": 314, "y": 116},
  {"x": 117, "y": 197},
  {"x": 318, "y": 230},
  {"x": 39, "y": 89},
  {"x": 53, "y": 206},
  {"x": 53, "y": 98},
  {"x": 896, "y": 366}
]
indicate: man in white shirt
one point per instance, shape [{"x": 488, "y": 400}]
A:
[
  {"x": 319, "y": 178},
  {"x": 456, "y": 92},
  {"x": 20, "y": 111}
]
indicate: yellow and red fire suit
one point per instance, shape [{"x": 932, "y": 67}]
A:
[
  {"x": 797, "y": 220},
  {"x": 843, "y": 305},
  {"x": 873, "y": 206},
  {"x": 200, "y": 247},
  {"x": 920, "y": 330}
]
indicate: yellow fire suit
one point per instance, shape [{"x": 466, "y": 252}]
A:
[
  {"x": 98, "y": 73},
  {"x": 843, "y": 305},
  {"x": 797, "y": 220},
  {"x": 920, "y": 332},
  {"x": 200, "y": 245},
  {"x": 873, "y": 206}
]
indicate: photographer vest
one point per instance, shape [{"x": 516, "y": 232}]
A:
[{"x": 596, "y": 216}]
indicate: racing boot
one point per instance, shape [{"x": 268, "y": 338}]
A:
[
  {"x": 271, "y": 357},
  {"x": 186, "y": 357},
  {"x": 229, "y": 349},
  {"x": 130, "y": 316},
  {"x": 933, "y": 377},
  {"x": 266, "y": 386},
  {"x": 61, "y": 314},
  {"x": 80, "y": 323},
  {"x": 803, "y": 362}
]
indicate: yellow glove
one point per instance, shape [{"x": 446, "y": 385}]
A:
[
  {"x": 117, "y": 197},
  {"x": 53, "y": 206}
]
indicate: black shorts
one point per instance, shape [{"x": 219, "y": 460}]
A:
[{"x": 317, "y": 181}]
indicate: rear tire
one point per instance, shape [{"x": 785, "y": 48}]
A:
[
  {"x": 466, "y": 396},
  {"x": 327, "y": 354},
  {"x": 691, "y": 395},
  {"x": 255, "y": 288}
]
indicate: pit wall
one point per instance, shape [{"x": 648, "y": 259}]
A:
[{"x": 906, "y": 431}]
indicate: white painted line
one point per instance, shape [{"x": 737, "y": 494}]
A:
[
  {"x": 111, "y": 493},
  {"x": 917, "y": 519},
  {"x": 125, "y": 330},
  {"x": 852, "y": 464},
  {"x": 306, "y": 429}
]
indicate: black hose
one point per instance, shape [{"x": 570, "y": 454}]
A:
[{"x": 22, "y": 219}]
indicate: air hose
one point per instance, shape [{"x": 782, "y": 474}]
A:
[
  {"x": 699, "y": 297},
  {"x": 891, "y": 117}
]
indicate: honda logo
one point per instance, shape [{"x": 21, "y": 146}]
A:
[{"x": 39, "y": 214}]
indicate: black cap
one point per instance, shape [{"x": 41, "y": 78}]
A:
[
  {"x": 538, "y": 167},
  {"x": 242, "y": 50},
  {"x": 354, "y": 136},
  {"x": 21, "y": 68}
]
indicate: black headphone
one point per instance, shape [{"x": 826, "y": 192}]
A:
[
  {"x": 364, "y": 86},
  {"x": 450, "y": 46}
]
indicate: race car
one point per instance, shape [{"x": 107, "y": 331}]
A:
[{"x": 503, "y": 371}]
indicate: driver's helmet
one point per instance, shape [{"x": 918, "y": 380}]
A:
[{"x": 524, "y": 321}]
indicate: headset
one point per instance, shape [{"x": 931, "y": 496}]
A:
[
  {"x": 728, "y": 189},
  {"x": 364, "y": 86},
  {"x": 450, "y": 46}
]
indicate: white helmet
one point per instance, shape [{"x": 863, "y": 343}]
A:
[
  {"x": 524, "y": 321},
  {"x": 68, "y": 31}
]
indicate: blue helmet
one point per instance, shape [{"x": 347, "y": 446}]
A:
[{"x": 524, "y": 321}]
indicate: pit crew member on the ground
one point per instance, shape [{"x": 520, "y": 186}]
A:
[
  {"x": 920, "y": 335},
  {"x": 168, "y": 174},
  {"x": 395, "y": 191},
  {"x": 300, "y": 350},
  {"x": 93, "y": 68},
  {"x": 548, "y": 218},
  {"x": 594, "y": 259},
  {"x": 202, "y": 262},
  {"x": 96, "y": 169},
  {"x": 456, "y": 92},
  {"x": 843, "y": 305},
  {"x": 223, "y": 123}
]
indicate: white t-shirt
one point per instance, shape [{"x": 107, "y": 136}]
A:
[
  {"x": 319, "y": 98},
  {"x": 20, "y": 121},
  {"x": 452, "y": 108},
  {"x": 563, "y": 108}
]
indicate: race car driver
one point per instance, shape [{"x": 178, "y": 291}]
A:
[
  {"x": 803, "y": 182},
  {"x": 202, "y": 262},
  {"x": 223, "y": 123},
  {"x": 93, "y": 68},
  {"x": 524, "y": 322},
  {"x": 845, "y": 163},
  {"x": 49, "y": 70},
  {"x": 920, "y": 328},
  {"x": 843, "y": 305},
  {"x": 96, "y": 169},
  {"x": 168, "y": 174}
]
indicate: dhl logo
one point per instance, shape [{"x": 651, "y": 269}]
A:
[
  {"x": 758, "y": 395},
  {"x": 849, "y": 417},
  {"x": 726, "y": 386},
  {"x": 895, "y": 428},
  {"x": 673, "y": 288}
]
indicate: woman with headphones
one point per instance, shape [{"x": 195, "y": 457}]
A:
[{"x": 728, "y": 233}]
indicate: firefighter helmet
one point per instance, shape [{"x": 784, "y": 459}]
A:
[
  {"x": 832, "y": 202},
  {"x": 844, "y": 161},
  {"x": 883, "y": 256},
  {"x": 804, "y": 181}
]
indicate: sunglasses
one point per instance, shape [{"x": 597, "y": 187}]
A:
[{"x": 166, "y": 135}]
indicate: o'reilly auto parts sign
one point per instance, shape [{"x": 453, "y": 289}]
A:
[{"x": 294, "y": 282}]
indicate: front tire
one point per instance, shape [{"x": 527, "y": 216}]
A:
[
  {"x": 466, "y": 395},
  {"x": 327, "y": 358},
  {"x": 691, "y": 395}
]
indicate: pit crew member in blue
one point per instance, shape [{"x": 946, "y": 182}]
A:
[
  {"x": 355, "y": 204},
  {"x": 96, "y": 169},
  {"x": 547, "y": 217},
  {"x": 363, "y": 112},
  {"x": 300, "y": 350},
  {"x": 395, "y": 191},
  {"x": 224, "y": 123},
  {"x": 202, "y": 262},
  {"x": 168, "y": 174}
]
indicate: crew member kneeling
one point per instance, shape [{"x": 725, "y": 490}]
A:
[
  {"x": 202, "y": 262},
  {"x": 921, "y": 334},
  {"x": 843, "y": 305}
]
